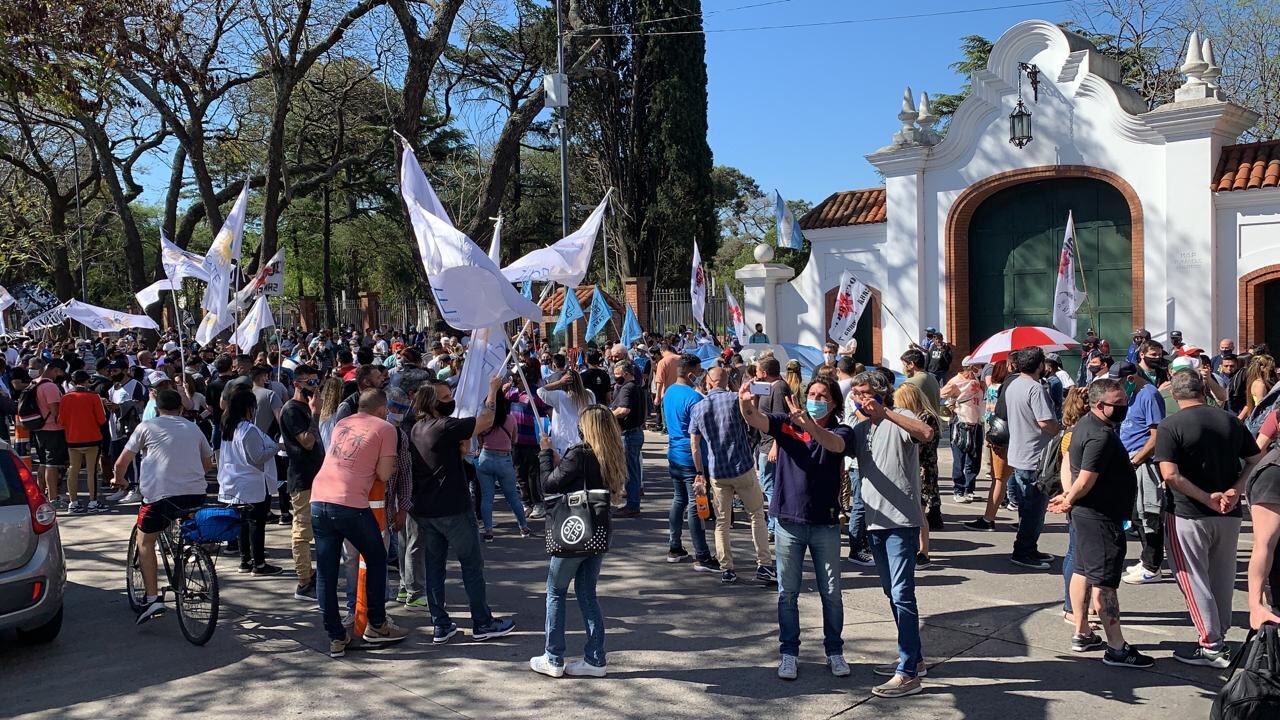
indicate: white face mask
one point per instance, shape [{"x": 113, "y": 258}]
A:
[
  {"x": 829, "y": 357},
  {"x": 395, "y": 418}
]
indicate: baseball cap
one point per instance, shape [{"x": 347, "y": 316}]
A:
[
  {"x": 1184, "y": 363},
  {"x": 170, "y": 346},
  {"x": 1142, "y": 332},
  {"x": 154, "y": 377},
  {"x": 118, "y": 364},
  {"x": 1123, "y": 369},
  {"x": 931, "y": 331},
  {"x": 1175, "y": 335}
]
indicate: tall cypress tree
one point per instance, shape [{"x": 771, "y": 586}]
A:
[{"x": 639, "y": 115}]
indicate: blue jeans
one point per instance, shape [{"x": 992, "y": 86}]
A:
[
  {"x": 1068, "y": 560},
  {"x": 456, "y": 533},
  {"x": 331, "y": 524},
  {"x": 584, "y": 572},
  {"x": 823, "y": 543},
  {"x": 895, "y": 553},
  {"x": 857, "y": 512},
  {"x": 681, "y": 507},
  {"x": 765, "y": 470},
  {"x": 633, "y": 442},
  {"x": 1031, "y": 508},
  {"x": 494, "y": 468}
]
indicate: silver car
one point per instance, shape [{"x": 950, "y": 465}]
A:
[{"x": 33, "y": 571}]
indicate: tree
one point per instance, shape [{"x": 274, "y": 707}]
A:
[
  {"x": 746, "y": 220},
  {"x": 976, "y": 50},
  {"x": 639, "y": 125}
]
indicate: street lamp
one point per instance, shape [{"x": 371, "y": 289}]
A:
[{"x": 1020, "y": 118}]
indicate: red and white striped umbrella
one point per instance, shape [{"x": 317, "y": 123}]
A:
[{"x": 998, "y": 346}]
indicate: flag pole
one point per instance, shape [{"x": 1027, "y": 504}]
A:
[
  {"x": 1084, "y": 283},
  {"x": 884, "y": 307},
  {"x": 177, "y": 321}
]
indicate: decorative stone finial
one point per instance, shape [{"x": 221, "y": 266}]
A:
[
  {"x": 927, "y": 120},
  {"x": 1212, "y": 72},
  {"x": 908, "y": 135},
  {"x": 763, "y": 252},
  {"x": 1195, "y": 63},
  {"x": 1198, "y": 71}
]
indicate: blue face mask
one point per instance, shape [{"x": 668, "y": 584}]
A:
[{"x": 816, "y": 408}]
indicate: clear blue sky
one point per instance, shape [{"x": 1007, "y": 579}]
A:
[{"x": 797, "y": 109}]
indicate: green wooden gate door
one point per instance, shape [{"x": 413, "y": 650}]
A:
[
  {"x": 1271, "y": 315},
  {"x": 1015, "y": 239}
]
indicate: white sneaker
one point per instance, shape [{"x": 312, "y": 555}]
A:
[
  {"x": 787, "y": 669},
  {"x": 117, "y": 496},
  {"x": 133, "y": 496},
  {"x": 838, "y": 666},
  {"x": 541, "y": 665},
  {"x": 1142, "y": 577},
  {"x": 582, "y": 668}
]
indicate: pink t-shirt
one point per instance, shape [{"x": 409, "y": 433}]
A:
[
  {"x": 351, "y": 460},
  {"x": 499, "y": 438},
  {"x": 48, "y": 394}
]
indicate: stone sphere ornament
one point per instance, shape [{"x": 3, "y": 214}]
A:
[{"x": 763, "y": 252}]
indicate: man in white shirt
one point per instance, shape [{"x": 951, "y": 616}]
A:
[{"x": 173, "y": 482}]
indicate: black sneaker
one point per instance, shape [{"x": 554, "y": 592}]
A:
[
  {"x": 266, "y": 569},
  {"x": 1046, "y": 557},
  {"x": 710, "y": 565},
  {"x": 922, "y": 560},
  {"x": 442, "y": 634},
  {"x": 151, "y": 609},
  {"x": 766, "y": 574},
  {"x": 1085, "y": 643},
  {"x": 980, "y": 524},
  {"x": 862, "y": 557},
  {"x": 306, "y": 592},
  {"x": 728, "y": 576},
  {"x": 286, "y": 519},
  {"x": 245, "y": 567},
  {"x": 1128, "y": 657},
  {"x": 677, "y": 555},
  {"x": 1031, "y": 563},
  {"x": 272, "y": 518}
]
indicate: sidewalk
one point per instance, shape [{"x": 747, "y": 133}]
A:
[{"x": 680, "y": 644}]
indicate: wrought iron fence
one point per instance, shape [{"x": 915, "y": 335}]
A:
[{"x": 669, "y": 308}]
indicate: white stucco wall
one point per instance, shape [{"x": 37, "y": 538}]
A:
[{"x": 1248, "y": 239}]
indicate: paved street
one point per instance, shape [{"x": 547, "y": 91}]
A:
[{"x": 680, "y": 644}]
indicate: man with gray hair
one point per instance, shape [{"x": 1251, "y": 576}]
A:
[{"x": 1205, "y": 456}]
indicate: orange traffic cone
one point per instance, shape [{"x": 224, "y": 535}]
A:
[{"x": 378, "y": 504}]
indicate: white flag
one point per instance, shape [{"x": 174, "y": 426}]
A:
[
  {"x": 698, "y": 287},
  {"x": 52, "y": 317},
  {"x": 150, "y": 294},
  {"x": 269, "y": 281},
  {"x": 850, "y": 302},
  {"x": 223, "y": 254},
  {"x": 1065, "y": 298},
  {"x": 6, "y": 301},
  {"x": 213, "y": 323},
  {"x": 258, "y": 319},
  {"x": 567, "y": 260},
  {"x": 486, "y": 354},
  {"x": 179, "y": 263},
  {"x": 470, "y": 290},
  {"x": 735, "y": 315},
  {"x": 101, "y": 319}
]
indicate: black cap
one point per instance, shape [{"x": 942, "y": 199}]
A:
[
  {"x": 1175, "y": 335},
  {"x": 1142, "y": 332},
  {"x": 1123, "y": 369}
]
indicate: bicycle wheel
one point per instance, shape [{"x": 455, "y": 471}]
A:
[
  {"x": 134, "y": 586},
  {"x": 197, "y": 595}
]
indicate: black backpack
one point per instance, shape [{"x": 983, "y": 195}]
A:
[
  {"x": 29, "y": 415},
  {"x": 1253, "y": 693},
  {"x": 1048, "y": 475}
]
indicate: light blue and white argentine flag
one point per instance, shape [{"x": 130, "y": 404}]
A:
[
  {"x": 600, "y": 313},
  {"x": 789, "y": 234},
  {"x": 570, "y": 311}
]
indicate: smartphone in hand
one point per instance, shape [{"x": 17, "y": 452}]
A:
[{"x": 760, "y": 388}]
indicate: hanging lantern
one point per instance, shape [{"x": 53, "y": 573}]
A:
[{"x": 1020, "y": 126}]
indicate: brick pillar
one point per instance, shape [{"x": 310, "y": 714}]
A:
[
  {"x": 369, "y": 311},
  {"x": 636, "y": 294},
  {"x": 308, "y": 314}
]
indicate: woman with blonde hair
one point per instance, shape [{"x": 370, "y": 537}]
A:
[
  {"x": 794, "y": 379},
  {"x": 598, "y": 463},
  {"x": 909, "y": 397},
  {"x": 328, "y": 400}
]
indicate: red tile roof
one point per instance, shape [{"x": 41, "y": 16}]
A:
[
  {"x": 551, "y": 304},
  {"x": 1249, "y": 166},
  {"x": 851, "y": 207}
]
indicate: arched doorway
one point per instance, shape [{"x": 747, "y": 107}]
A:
[
  {"x": 1004, "y": 237},
  {"x": 868, "y": 332},
  {"x": 1260, "y": 308}
]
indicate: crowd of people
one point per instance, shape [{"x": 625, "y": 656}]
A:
[{"x": 354, "y": 438}]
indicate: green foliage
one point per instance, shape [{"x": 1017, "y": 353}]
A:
[{"x": 747, "y": 219}]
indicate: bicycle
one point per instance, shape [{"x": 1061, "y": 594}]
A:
[{"x": 193, "y": 582}]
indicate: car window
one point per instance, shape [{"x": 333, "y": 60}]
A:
[{"x": 11, "y": 492}]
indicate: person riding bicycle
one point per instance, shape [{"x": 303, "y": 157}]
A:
[{"x": 173, "y": 482}]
